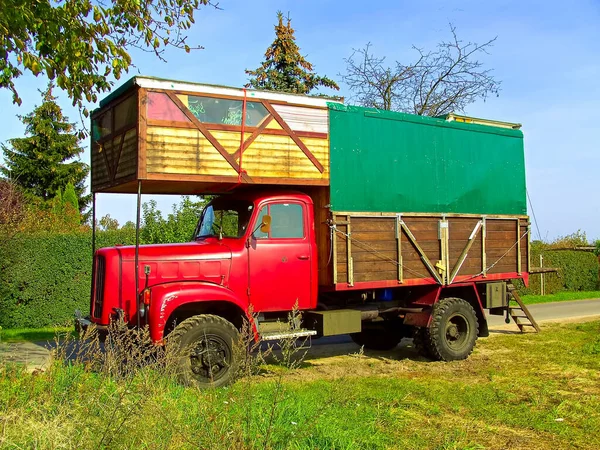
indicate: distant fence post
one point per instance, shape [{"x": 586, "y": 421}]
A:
[{"x": 542, "y": 287}]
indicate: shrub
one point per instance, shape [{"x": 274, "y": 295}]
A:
[
  {"x": 577, "y": 270},
  {"x": 45, "y": 277}
]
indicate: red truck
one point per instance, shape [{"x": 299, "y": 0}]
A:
[{"x": 375, "y": 224}]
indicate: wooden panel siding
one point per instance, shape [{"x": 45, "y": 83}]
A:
[
  {"x": 279, "y": 156},
  {"x": 289, "y": 145},
  {"x": 374, "y": 248},
  {"x": 183, "y": 151}
]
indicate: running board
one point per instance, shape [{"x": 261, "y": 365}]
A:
[{"x": 294, "y": 334}]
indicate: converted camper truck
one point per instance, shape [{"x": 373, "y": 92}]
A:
[{"x": 376, "y": 224}]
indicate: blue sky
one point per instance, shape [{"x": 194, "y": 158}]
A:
[{"x": 547, "y": 56}]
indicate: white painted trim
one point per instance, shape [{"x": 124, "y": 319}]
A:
[{"x": 152, "y": 83}]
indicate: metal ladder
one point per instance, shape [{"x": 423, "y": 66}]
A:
[{"x": 520, "y": 314}]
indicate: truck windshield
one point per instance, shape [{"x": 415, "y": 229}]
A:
[{"x": 225, "y": 217}]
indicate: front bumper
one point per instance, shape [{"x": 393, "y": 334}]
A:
[{"x": 82, "y": 324}]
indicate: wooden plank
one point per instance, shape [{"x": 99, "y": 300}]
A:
[
  {"x": 142, "y": 135},
  {"x": 294, "y": 137},
  {"x": 368, "y": 256},
  {"x": 501, "y": 225},
  {"x": 518, "y": 247},
  {"x": 375, "y": 276},
  {"x": 349, "y": 261},
  {"x": 335, "y": 256}
]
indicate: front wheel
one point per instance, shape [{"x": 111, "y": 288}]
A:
[
  {"x": 206, "y": 351},
  {"x": 452, "y": 333}
]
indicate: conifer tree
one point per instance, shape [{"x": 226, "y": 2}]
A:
[
  {"x": 284, "y": 68},
  {"x": 44, "y": 161}
]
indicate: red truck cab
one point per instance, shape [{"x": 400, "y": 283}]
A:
[{"x": 229, "y": 265}]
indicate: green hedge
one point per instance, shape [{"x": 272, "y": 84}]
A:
[
  {"x": 578, "y": 271},
  {"x": 45, "y": 277}
]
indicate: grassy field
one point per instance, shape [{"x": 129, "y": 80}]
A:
[
  {"x": 32, "y": 334},
  {"x": 560, "y": 297},
  {"x": 532, "y": 391}
]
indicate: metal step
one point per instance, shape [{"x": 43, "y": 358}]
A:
[
  {"x": 517, "y": 313},
  {"x": 292, "y": 334}
]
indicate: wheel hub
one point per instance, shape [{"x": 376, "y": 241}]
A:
[
  {"x": 457, "y": 331},
  {"x": 210, "y": 358}
]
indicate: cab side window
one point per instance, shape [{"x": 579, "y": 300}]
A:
[{"x": 287, "y": 221}]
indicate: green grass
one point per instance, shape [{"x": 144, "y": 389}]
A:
[
  {"x": 526, "y": 391},
  {"x": 560, "y": 297},
  {"x": 32, "y": 334}
]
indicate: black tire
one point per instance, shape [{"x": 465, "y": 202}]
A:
[
  {"x": 420, "y": 342},
  {"x": 207, "y": 355},
  {"x": 381, "y": 338},
  {"x": 453, "y": 330}
]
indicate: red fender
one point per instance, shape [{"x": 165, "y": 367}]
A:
[
  {"x": 166, "y": 298},
  {"x": 433, "y": 295}
]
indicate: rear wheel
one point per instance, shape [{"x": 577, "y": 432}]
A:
[
  {"x": 452, "y": 333},
  {"x": 384, "y": 337},
  {"x": 207, "y": 355}
]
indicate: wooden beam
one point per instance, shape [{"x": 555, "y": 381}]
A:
[
  {"x": 483, "y": 254},
  {"x": 235, "y": 128},
  {"x": 335, "y": 258},
  {"x": 293, "y": 135},
  {"x": 519, "y": 246},
  {"x": 422, "y": 254},
  {"x": 465, "y": 252},
  {"x": 142, "y": 133},
  {"x": 253, "y": 136},
  {"x": 214, "y": 142},
  {"x": 349, "y": 261},
  {"x": 538, "y": 270},
  {"x": 399, "y": 245}
]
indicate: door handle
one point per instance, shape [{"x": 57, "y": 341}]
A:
[{"x": 304, "y": 257}]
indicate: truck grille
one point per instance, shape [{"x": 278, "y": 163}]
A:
[{"x": 99, "y": 286}]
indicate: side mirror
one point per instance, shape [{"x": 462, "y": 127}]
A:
[{"x": 265, "y": 226}]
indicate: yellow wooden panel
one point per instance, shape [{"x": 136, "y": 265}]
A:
[
  {"x": 187, "y": 151},
  {"x": 273, "y": 125},
  {"x": 279, "y": 156},
  {"x": 230, "y": 140},
  {"x": 184, "y": 99},
  {"x": 183, "y": 151}
]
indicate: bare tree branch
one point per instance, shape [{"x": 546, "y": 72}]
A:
[{"x": 440, "y": 81}]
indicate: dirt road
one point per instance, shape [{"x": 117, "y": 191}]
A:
[{"x": 37, "y": 354}]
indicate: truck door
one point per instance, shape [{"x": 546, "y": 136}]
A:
[{"x": 280, "y": 261}]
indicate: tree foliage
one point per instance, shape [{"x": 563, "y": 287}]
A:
[
  {"x": 178, "y": 226},
  {"x": 42, "y": 163},
  {"x": 107, "y": 223},
  {"x": 439, "y": 81},
  {"x": 284, "y": 68},
  {"x": 81, "y": 43}
]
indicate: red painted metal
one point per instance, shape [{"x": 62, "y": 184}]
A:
[
  {"x": 269, "y": 274},
  {"x": 166, "y": 298},
  {"x": 281, "y": 269}
]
